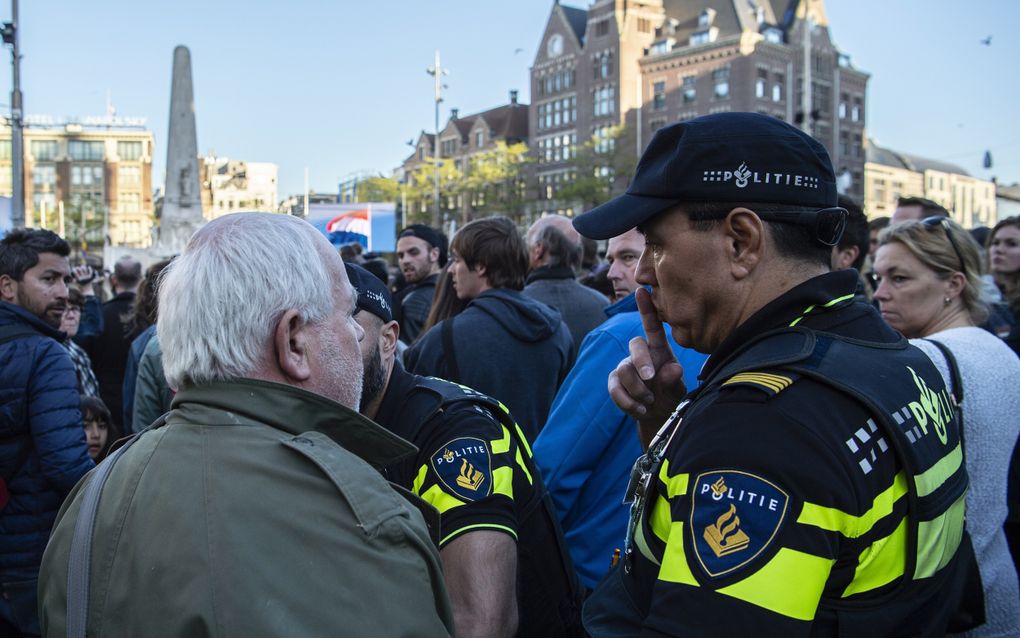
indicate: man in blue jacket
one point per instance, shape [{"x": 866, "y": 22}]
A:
[
  {"x": 42, "y": 443},
  {"x": 588, "y": 445}
]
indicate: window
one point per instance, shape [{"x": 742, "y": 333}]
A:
[
  {"x": 44, "y": 150},
  {"x": 602, "y": 28},
  {"x": 602, "y": 65},
  {"x": 777, "y": 87},
  {"x": 87, "y": 176},
  {"x": 657, "y": 124},
  {"x": 604, "y": 141},
  {"x": 701, "y": 37},
  {"x": 644, "y": 25},
  {"x": 448, "y": 148},
  {"x": 5, "y": 149},
  {"x": 721, "y": 77},
  {"x": 773, "y": 35},
  {"x": 129, "y": 203},
  {"x": 844, "y": 143},
  {"x": 129, "y": 151},
  {"x": 44, "y": 178},
  {"x": 129, "y": 176},
  {"x": 479, "y": 138},
  {"x": 760, "y": 82},
  {"x": 690, "y": 88},
  {"x": 662, "y": 46},
  {"x": 857, "y": 113},
  {"x": 659, "y": 95},
  {"x": 603, "y": 101},
  {"x": 80, "y": 150},
  {"x": 44, "y": 202}
]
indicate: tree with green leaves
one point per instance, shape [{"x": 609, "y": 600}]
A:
[{"x": 602, "y": 167}]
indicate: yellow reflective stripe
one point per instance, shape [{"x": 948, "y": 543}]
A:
[
  {"x": 933, "y": 478},
  {"x": 642, "y": 545},
  {"x": 675, "y": 485},
  {"x": 674, "y": 562},
  {"x": 521, "y": 439},
  {"x": 938, "y": 540},
  {"x": 661, "y": 519},
  {"x": 419, "y": 480},
  {"x": 503, "y": 481},
  {"x": 523, "y": 466},
  {"x": 437, "y": 498},
  {"x": 501, "y": 446},
  {"x": 880, "y": 563},
  {"x": 790, "y": 584},
  {"x": 469, "y": 528},
  {"x": 828, "y": 304},
  {"x": 834, "y": 520}
]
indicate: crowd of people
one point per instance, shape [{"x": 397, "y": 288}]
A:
[{"x": 752, "y": 411}]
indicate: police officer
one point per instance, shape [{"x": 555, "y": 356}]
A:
[
  {"x": 504, "y": 559},
  {"x": 812, "y": 485}
]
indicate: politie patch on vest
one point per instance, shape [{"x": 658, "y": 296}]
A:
[
  {"x": 464, "y": 466},
  {"x": 735, "y": 516}
]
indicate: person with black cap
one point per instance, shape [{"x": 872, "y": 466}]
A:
[
  {"x": 504, "y": 558},
  {"x": 815, "y": 486},
  {"x": 421, "y": 254}
]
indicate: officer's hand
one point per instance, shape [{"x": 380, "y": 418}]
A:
[{"x": 649, "y": 383}]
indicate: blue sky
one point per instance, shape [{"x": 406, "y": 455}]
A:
[{"x": 341, "y": 86}]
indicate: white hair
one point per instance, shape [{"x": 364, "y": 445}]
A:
[{"x": 221, "y": 299}]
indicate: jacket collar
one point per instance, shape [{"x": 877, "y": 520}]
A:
[
  {"x": 551, "y": 272},
  {"x": 292, "y": 410},
  {"x": 10, "y": 313},
  {"x": 627, "y": 304},
  {"x": 802, "y": 303}
]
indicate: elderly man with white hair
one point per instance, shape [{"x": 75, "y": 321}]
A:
[{"x": 254, "y": 509}]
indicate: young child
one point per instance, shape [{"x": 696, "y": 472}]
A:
[{"x": 100, "y": 432}]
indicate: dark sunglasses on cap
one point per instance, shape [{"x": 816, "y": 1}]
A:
[
  {"x": 943, "y": 222},
  {"x": 827, "y": 224}
]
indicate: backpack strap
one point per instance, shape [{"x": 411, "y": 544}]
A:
[
  {"x": 80, "y": 559},
  {"x": 449, "y": 352}
]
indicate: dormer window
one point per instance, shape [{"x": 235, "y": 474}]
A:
[
  {"x": 704, "y": 37},
  {"x": 662, "y": 46},
  {"x": 706, "y": 18},
  {"x": 773, "y": 35}
]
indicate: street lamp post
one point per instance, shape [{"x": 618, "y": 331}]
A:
[
  {"x": 437, "y": 72},
  {"x": 9, "y": 31}
]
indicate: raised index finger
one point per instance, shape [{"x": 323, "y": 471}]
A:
[{"x": 650, "y": 321}]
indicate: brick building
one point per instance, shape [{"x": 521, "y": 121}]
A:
[
  {"x": 460, "y": 140},
  {"x": 649, "y": 63}
]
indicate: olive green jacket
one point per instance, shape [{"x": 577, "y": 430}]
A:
[{"x": 255, "y": 511}]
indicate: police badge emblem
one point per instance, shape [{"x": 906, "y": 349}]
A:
[{"x": 735, "y": 516}]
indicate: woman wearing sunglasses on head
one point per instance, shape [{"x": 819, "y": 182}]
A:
[{"x": 929, "y": 288}]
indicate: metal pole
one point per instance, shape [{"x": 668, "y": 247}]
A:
[
  {"x": 437, "y": 71},
  {"x": 17, "y": 140}
]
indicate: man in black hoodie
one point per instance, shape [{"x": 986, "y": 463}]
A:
[{"x": 505, "y": 345}]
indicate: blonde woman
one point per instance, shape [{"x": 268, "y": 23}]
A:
[{"x": 929, "y": 288}]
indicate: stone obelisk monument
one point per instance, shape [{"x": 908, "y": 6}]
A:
[{"x": 182, "y": 199}]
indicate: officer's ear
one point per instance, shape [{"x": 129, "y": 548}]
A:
[
  {"x": 292, "y": 341},
  {"x": 388, "y": 335},
  {"x": 745, "y": 241}
]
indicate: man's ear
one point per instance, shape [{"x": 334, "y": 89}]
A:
[
  {"x": 388, "y": 335},
  {"x": 745, "y": 241},
  {"x": 844, "y": 257},
  {"x": 8, "y": 288},
  {"x": 434, "y": 255},
  {"x": 291, "y": 345}
]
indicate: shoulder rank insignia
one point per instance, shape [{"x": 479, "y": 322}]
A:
[
  {"x": 735, "y": 516},
  {"x": 464, "y": 467},
  {"x": 772, "y": 384}
]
